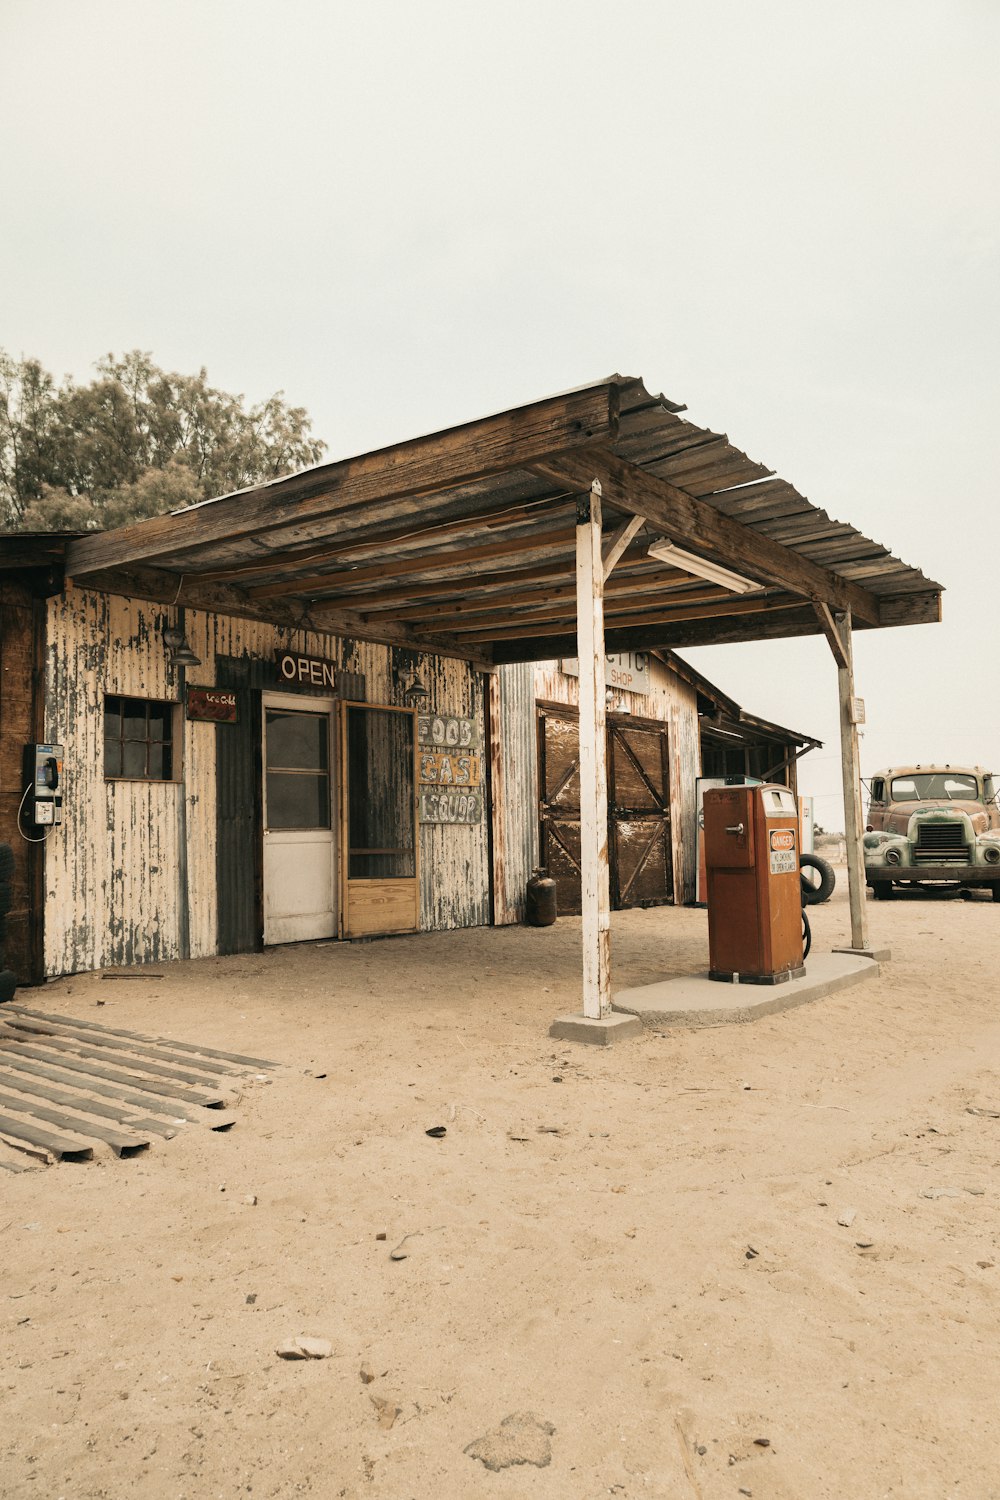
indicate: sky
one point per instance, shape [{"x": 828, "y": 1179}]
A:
[{"x": 405, "y": 216}]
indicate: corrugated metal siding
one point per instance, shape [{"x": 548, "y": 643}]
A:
[
  {"x": 516, "y": 810},
  {"x": 675, "y": 703},
  {"x": 111, "y": 873}
]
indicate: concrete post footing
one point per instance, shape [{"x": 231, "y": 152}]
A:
[{"x": 600, "y": 1033}]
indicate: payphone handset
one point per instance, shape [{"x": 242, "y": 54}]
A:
[{"x": 44, "y": 789}]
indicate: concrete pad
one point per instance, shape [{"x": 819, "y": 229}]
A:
[
  {"x": 601, "y": 1033},
  {"x": 882, "y": 955},
  {"x": 695, "y": 1000}
]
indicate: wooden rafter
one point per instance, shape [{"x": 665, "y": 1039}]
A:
[
  {"x": 394, "y": 475},
  {"x": 697, "y": 524}
]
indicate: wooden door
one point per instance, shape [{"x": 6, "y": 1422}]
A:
[
  {"x": 639, "y": 841},
  {"x": 379, "y": 862},
  {"x": 299, "y": 863},
  {"x": 559, "y": 803}
]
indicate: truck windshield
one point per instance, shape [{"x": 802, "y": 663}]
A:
[{"x": 924, "y": 786}]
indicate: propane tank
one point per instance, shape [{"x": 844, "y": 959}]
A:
[{"x": 541, "y": 910}]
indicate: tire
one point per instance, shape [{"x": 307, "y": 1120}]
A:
[
  {"x": 883, "y": 890},
  {"x": 816, "y": 890},
  {"x": 8, "y": 984},
  {"x": 996, "y": 893},
  {"x": 6, "y": 898},
  {"x": 6, "y": 862}
]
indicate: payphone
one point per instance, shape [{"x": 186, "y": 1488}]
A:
[
  {"x": 43, "y": 796},
  {"x": 754, "y": 889}
]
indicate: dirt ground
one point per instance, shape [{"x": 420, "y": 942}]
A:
[{"x": 639, "y": 1246}]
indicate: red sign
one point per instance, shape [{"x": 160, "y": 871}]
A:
[
  {"x": 782, "y": 838},
  {"x": 211, "y": 706}
]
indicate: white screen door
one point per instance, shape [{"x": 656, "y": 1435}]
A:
[{"x": 300, "y": 890}]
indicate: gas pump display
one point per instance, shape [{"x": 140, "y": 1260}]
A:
[{"x": 754, "y": 893}]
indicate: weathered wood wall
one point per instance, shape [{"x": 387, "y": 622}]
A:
[
  {"x": 21, "y": 625},
  {"x": 113, "y": 870},
  {"x": 675, "y": 703},
  {"x": 515, "y": 788}
]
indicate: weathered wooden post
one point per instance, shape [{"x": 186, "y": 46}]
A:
[
  {"x": 595, "y": 887},
  {"x": 851, "y": 767}
]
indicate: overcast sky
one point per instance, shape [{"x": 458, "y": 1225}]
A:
[{"x": 407, "y": 215}]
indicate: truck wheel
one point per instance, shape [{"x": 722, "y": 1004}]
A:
[
  {"x": 883, "y": 890},
  {"x": 817, "y": 878},
  {"x": 996, "y": 893}
]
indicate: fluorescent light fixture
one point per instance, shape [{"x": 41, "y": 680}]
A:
[{"x": 665, "y": 551}]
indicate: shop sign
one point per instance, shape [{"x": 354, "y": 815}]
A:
[
  {"x": 211, "y": 706},
  {"x": 626, "y": 671},
  {"x": 442, "y": 768},
  {"x": 306, "y": 671},
  {"x": 451, "y": 807},
  {"x": 443, "y": 732}
]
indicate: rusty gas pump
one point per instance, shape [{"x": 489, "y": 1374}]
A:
[{"x": 754, "y": 892}]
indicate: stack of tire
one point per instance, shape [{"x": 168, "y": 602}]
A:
[
  {"x": 8, "y": 980},
  {"x": 818, "y": 879}
]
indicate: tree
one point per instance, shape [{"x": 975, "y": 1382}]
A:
[{"x": 135, "y": 442}]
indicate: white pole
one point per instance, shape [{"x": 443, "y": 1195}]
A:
[
  {"x": 851, "y": 768},
  {"x": 593, "y": 759}
]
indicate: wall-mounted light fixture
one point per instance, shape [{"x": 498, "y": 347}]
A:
[
  {"x": 665, "y": 551},
  {"x": 179, "y": 653},
  {"x": 414, "y": 691}
]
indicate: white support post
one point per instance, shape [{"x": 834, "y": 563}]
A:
[
  {"x": 596, "y": 903},
  {"x": 851, "y": 767}
]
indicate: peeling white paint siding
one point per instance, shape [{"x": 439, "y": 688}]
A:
[
  {"x": 112, "y": 869},
  {"x": 674, "y": 703},
  {"x": 515, "y": 812}
]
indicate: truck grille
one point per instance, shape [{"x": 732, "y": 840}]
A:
[{"x": 940, "y": 841}]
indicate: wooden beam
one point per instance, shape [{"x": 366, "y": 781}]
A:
[
  {"x": 697, "y": 524},
  {"x": 850, "y": 764},
  {"x": 826, "y": 620},
  {"x": 594, "y": 878},
  {"x": 427, "y": 563},
  {"x": 726, "y": 605},
  {"x": 427, "y": 465},
  {"x": 545, "y": 603},
  {"x": 161, "y": 587},
  {"x": 919, "y": 607},
  {"x": 421, "y": 533},
  {"x": 675, "y": 636},
  {"x": 620, "y": 542}
]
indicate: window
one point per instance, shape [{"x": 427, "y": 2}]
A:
[
  {"x": 298, "y": 769},
  {"x": 138, "y": 739}
]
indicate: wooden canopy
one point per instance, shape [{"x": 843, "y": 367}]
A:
[{"x": 463, "y": 542}]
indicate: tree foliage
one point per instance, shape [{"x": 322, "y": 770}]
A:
[{"x": 135, "y": 442}]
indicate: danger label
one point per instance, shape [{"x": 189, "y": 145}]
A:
[{"x": 783, "y": 860}]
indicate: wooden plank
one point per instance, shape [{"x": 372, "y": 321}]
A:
[
  {"x": 850, "y": 765},
  {"x": 832, "y": 634},
  {"x": 140, "y": 1064},
  {"x": 80, "y": 1063},
  {"x": 138, "y": 1097},
  {"x": 620, "y": 542},
  {"x": 622, "y": 618},
  {"x": 427, "y": 529},
  {"x": 122, "y": 1143},
  {"x": 116, "y": 1044},
  {"x": 62, "y": 1147},
  {"x": 433, "y": 562},
  {"x": 595, "y": 884},
  {"x": 911, "y": 609},
  {"x": 425, "y": 465},
  {"x": 693, "y": 522},
  {"x": 235, "y": 1057},
  {"x": 170, "y": 588},
  {"x": 121, "y": 1114},
  {"x": 482, "y": 615}
]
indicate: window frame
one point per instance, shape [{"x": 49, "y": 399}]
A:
[{"x": 171, "y": 741}]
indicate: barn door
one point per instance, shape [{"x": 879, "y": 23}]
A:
[
  {"x": 559, "y": 804},
  {"x": 639, "y": 812}
]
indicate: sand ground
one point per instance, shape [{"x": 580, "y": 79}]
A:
[{"x": 580, "y": 1239}]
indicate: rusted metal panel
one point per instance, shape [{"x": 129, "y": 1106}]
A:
[
  {"x": 20, "y": 724},
  {"x": 112, "y": 869}
]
